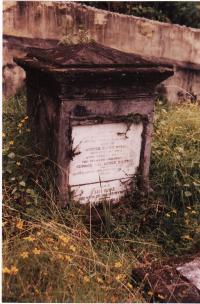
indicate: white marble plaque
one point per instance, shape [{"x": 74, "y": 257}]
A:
[{"x": 106, "y": 158}]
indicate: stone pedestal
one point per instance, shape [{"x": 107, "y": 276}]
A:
[{"x": 91, "y": 109}]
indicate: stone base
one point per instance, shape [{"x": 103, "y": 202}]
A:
[{"x": 165, "y": 281}]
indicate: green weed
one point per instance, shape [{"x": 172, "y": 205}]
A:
[{"x": 87, "y": 255}]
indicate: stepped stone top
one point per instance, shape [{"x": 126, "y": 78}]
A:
[{"x": 88, "y": 56}]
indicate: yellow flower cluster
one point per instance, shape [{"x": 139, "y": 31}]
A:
[
  {"x": 13, "y": 270},
  {"x": 64, "y": 257},
  {"x": 120, "y": 277},
  {"x": 129, "y": 285},
  {"x": 24, "y": 254},
  {"x": 36, "y": 251},
  {"x": 99, "y": 280},
  {"x": 21, "y": 123},
  {"x": 118, "y": 265},
  {"x": 64, "y": 239},
  {"x": 20, "y": 224},
  {"x": 72, "y": 248},
  {"x": 29, "y": 238},
  {"x": 86, "y": 279},
  {"x": 68, "y": 258}
]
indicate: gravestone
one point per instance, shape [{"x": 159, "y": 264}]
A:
[
  {"x": 191, "y": 271},
  {"x": 91, "y": 110},
  {"x": 172, "y": 280}
]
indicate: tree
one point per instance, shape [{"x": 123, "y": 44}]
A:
[{"x": 183, "y": 13}]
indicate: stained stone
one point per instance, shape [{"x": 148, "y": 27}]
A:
[
  {"x": 91, "y": 112},
  {"x": 191, "y": 271},
  {"x": 175, "y": 280},
  {"x": 106, "y": 158}
]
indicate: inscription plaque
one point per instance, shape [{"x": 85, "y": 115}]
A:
[{"x": 106, "y": 157}]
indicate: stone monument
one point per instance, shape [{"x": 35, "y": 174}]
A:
[{"x": 91, "y": 111}]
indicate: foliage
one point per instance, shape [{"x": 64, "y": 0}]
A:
[
  {"x": 175, "y": 171},
  {"x": 87, "y": 255},
  {"x": 52, "y": 255},
  {"x": 183, "y": 13},
  {"x": 72, "y": 38},
  {"x": 176, "y": 154}
]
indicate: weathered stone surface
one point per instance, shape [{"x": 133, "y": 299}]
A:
[
  {"x": 166, "y": 283},
  {"x": 106, "y": 158},
  {"x": 126, "y": 33},
  {"x": 13, "y": 75},
  {"x": 87, "y": 55},
  {"x": 89, "y": 96},
  {"x": 191, "y": 271}
]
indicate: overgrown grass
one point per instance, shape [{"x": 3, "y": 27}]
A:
[
  {"x": 86, "y": 255},
  {"x": 175, "y": 172}
]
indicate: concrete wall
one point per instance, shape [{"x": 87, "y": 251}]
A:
[{"x": 126, "y": 33}]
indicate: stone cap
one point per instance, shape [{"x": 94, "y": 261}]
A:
[{"x": 88, "y": 56}]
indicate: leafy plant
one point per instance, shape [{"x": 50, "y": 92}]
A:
[
  {"x": 183, "y": 13},
  {"x": 71, "y": 37}
]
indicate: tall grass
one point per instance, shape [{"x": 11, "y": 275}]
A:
[
  {"x": 86, "y": 255},
  {"x": 176, "y": 154},
  {"x": 175, "y": 173}
]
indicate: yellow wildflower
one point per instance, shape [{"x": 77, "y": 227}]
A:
[
  {"x": 29, "y": 238},
  {"x": 167, "y": 215},
  {"x": 174, "y": 211},
  {"x": 14, "y": 270},
  {"x": 11, "y": 142},
  {"x": 60, "y": 256},
  {"x": 18, "y": 163},
  {"x": 19, "y": 225},
  {"x": 118, "y": 264},
  {"x": 24, "y": 254},
  {"x": 68, "y": 258},
  {"x": 120, "y": 277},
  {"x": 64, "y": 239},
  {"x": 86, "y": 279},
  {"x": 99, "y": 280},
  {"x": 72, "y": 248},
  {"x": 36, "y": 251},
  {"x": 6, "y": 270},
  {"x": 193, "y": 212},
  {"x": 129, "y": 285}
]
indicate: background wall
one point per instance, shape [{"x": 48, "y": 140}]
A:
[{"x": 179, "y": 45}]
